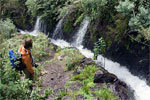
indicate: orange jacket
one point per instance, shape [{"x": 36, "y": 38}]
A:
[{"x": 26, "y": 58}]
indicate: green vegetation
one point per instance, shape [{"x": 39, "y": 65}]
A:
[
  {"x": 47, "y": 9},
  {"x": 116, "y": 21},
  {"x": 16, "y": 11},
  {"x": 7, "y": 29},
  {"x": 70, "y": 57},
  {"x": 62, "y": 93},
  {"x": 106, "y": 94},
  {"x": 11, "y": 84},
  {"x": 99, "y": 47},
  {"x": 111, "y": 21},
  {"x": 139, "y": 17},
  {"x": 86, "y": 79},
  {"x": 93, "y": 8}
]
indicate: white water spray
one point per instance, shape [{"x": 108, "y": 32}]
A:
[
  {"x": 81, "y": 32},
  {"x": 58, "y": 30},
  {"x": 141, "y": 89},
  {"x": 37, "y": 24},
  {"x": 36, "y": 28}
]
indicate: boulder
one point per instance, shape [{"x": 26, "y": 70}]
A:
[
  {"x": 118, "y": 87},
  {"x": 104, "y": 77},
  {"x": 86, "y": 61},
  {"x": 78, "y": 70}
]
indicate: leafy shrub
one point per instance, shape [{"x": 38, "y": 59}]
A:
[
  {"x": 47, "y": 9},
  {"x": 16, "y": 10},
  {"x": 71, "y": 57},
  {"x": 32, "y": 6},
  {"x": 99, "y": 47},
  {"x": 79, "y": 19},
  {"x": 87, "y": 73},
  {"x": 125, "y": 7},
  {"x": 146, "y": 33},
  {"x": 138, "y": 13},
  {"x": 94, "y": 8},
  {"x": 11, "y": 85},
  {"x": 105, "y": 94},
  {"x": 7, "y": 28},
  {"x": 86, "y": 78},
  {"x": 144, "y": 17}
]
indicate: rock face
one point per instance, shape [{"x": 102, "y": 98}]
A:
[
  {"x": 83, "y": 62},
  {"x": 86, "y": 61},
  {"x": 135, "y": 59},
  {"x": 104, "y": 77},
  {"x": 118, "y": 87}
]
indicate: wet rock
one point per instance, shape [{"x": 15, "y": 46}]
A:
[
  {"x": 122, "y": 92},
  {"x": 86, "y": 61},
  {"x": 102, "y": 77},
  {"x": 118, "y": 87},
  {"x": 78, "y": 70}
]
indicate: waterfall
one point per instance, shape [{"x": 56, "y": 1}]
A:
[
  {"x": 81, "y": 32},
  {"x": 140, "y": 87},
  {"x": 58, "y": 33},
  {"x": 39, "y": 26}
]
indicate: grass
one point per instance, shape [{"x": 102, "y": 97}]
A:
[
  {"x": 86, "y": 78},
  {"x": 71, "y": 57}
]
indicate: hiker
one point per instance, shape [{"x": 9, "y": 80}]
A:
[{"x": 27, "y": 58}]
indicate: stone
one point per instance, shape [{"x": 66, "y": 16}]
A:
[
  {"x": 86, "y": 61},
  {"x": 101, "y": 77},
  {"x": 78, "y": 70}
]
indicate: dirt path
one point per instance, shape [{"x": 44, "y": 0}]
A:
[{"x": 55, "y": 77}]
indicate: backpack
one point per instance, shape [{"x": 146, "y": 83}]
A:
[{"x": 16, "y": 60}]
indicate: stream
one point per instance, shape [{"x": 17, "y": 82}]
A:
[{"x": 139, "y": 86}]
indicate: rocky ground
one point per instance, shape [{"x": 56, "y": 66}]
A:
[{"x": 55, "y": 76}]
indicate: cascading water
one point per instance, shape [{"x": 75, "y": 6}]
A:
[
  {"x": 40, "y": 26},
  {"x": 37, "y": 24},
  {"x": 81, "y": 32},
  {"x": 141, "y": 89},
  {"x": 58, "y": 33}
]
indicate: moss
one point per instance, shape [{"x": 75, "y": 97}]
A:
[
  {"x": 79, "y": 19},
  {"x": 68, "y": 25},
  {"x": 94, "y": 30},
  {"x": 72, "y": 19}
]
